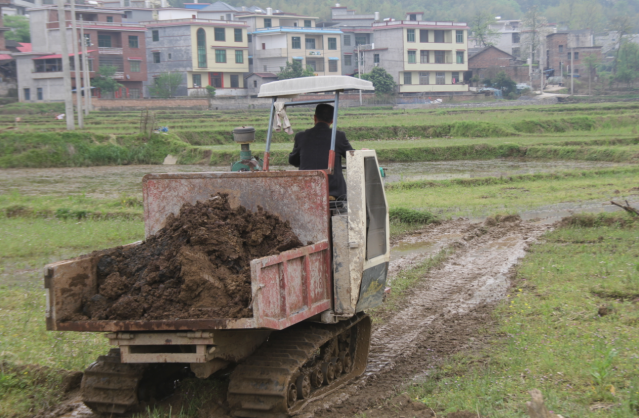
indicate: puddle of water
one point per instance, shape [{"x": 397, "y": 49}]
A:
[{"x": 404, "y": 249}]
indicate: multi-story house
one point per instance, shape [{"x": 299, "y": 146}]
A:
[
  {"x": 505, "y": 36},
  {"x": 422, "y": 56},
  {"x": 276, "y": 38},
  {"x": 357, "y": 31},
  {"x": 110, "y": 42},
  {"x": 206, "y": 52},
  {"x": 560, "y": 48}
]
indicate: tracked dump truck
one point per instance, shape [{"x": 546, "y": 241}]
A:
[{"x": 309, "y": 333}]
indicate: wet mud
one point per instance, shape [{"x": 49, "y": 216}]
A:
[{"x": 197, "y": 266}]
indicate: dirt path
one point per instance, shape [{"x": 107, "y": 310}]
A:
[{"x": 442, "y": 314}]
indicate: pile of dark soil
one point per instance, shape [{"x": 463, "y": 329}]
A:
[{"x": 197, "y": 266}]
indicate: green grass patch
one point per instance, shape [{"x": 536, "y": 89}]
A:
[{"x": 552, "y": 337}]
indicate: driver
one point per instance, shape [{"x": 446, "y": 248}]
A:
[{"x": 312, "y": 146}]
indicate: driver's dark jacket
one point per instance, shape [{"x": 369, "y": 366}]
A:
[{"x": 311, "y": 153}]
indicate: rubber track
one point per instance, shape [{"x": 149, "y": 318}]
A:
[
  {"x": 111, "y": 387},
  {"x": 258, "y": 387}
]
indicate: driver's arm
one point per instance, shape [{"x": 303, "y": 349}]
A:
[{"x": 294, "y": 156}]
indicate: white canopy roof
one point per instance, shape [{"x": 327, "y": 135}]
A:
[{"x": 320, "y": 84}]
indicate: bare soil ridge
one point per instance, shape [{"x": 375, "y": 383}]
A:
[{"x": 197, "y": 266}]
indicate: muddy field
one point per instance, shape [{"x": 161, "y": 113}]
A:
[{"x": 197, "y": 266}]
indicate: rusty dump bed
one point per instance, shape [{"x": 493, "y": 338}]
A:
[{"x": 287, "y": 288}]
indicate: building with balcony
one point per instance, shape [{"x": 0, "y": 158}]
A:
[
  {"x": 422, "y": 56},
  {"x": 110, "y": 42},
  {"x": 357, "y": 32},
  {"x": 276, "y": 38},
  {"x": 206, "y": 52}
]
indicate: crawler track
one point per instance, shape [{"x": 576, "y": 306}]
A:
[{"x": 299, "y": 365}]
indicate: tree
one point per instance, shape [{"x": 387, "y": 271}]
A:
[
  {"x": 166, "y": 85},
  {"x": 480, "y": 27},
  {"x": 382, "y": 81},
  {"x": 628, "y": 63},
  {"x": 534, "y": 25},
  {"x": 591, "y": 62},
  {"x": 622, "y": 24},
  {"x": 19, "y": 28},
  {"x": 294, "y": 70},
  {"x": 504, "y": 83},
  {"x": 211, "y": 91},
  {"x": 104, "y": 80}
]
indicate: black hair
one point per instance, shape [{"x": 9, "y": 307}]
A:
[{"x": 324, "y": 112}]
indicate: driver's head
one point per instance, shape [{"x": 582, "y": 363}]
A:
[{"x": 324, "y": 113}]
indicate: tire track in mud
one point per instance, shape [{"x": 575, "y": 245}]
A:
[{"x": 442, "y": 313}]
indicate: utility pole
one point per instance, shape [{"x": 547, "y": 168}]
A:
[
  {"x": 66, "y": 71},
  {"x": 572, "y": 70},
  {"x": 77, "y": 66},
  {"x": 359, "y": 73},
  {"x": 85, "y": 70}
]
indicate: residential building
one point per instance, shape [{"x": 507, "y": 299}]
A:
[
  {"x": 206, "y": 52},
  {"x": 218, "y": 11},
  {"x": 506, "y": 37},
  {"x": 276, "y": 38},
  {"x": 110, "y": 42},
  {"x": 357, "y": 31},
  {"x": 422, "y": 56},
  {"x": 560, "y": 48},
  {"x": 342, "y": 16},
  {"x": 489, "y": 61},
  {"x": 255, "y": 80}
]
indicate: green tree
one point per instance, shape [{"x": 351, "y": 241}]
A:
[
  {"x": 211, "y": 91},
  {"x": 535, "y": 26},
  {"x": 294, "y": 70},
  {"x": 623, "y": 25},
  {"x": 105, "y": 81},
  {"x": 504, "y": 83},
  {"x": 591, "y": 62},
  {"x": 628, "y": 66},
  {"x": 19, "y": 28},
  {"x": 382, "y": 81},
  {"x": 166, "y": 85},
  {"x": 479, "y": 24}
]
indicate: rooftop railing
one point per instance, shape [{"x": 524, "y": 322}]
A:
[{"x": 418, "y": 23}]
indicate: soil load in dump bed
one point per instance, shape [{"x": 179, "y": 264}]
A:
[{"x": 197, "y": 266}]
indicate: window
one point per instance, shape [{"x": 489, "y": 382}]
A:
[
  {"x": 265, "y": 68},
  {"x": 254, "y": 83},
  {"x": 423, "y": 57},
  {"x": 235, "y": 81},
  {"x": 440, "y": 57},
  {"x": 263, "y": 45},
  {"x": 308, "y": 24},
  {"x": 410, "y": 35},
  {"x": 296, "y": 42},
  {"x": 48, "y": 66},
  {"x": 348, "y": 61},
  {"x": 249, "y": 38},
  {"x": 460, "y": 57},
  {"x": 156, "y": 35},
  {"x": 332, "y": 66},
  {"x": 576, "y": 55},
  {"x": 201, "y": 48},
  {"x": 87, "y": 39},
  {"x": 250, "y": 61},
  {"x": 424, "y": 78},
  {"x": 439, "y": 36},
  {"x": 516, "y": 38},
  {"x": 134, "y": 93},
  {"x": 134, "y": 66},
  {"x": 197, "y": 80},
  {"x": 455, "y": 78},
  {"x": 113, "y": 60},
  {"x": 220, "y": 55},
  {"x": 569, "y": 55},
  {"x": 412, "y": 57},
  {"x": 361, "y": 40},
  {"x": 133, "y": 42},
  {"x": 561, "y": 49},
  {"x": 408, "y": 78},
  {"x": 110, "y": 19},
  {"x": 376, "y": 58},
  {"x": 460, "y": 36},
  {"x": 440, "y": 78},
  {"x": 169, "y": 55},
  {"x": 267, "y": 23},
  {"x": 127, "y": 3},
  {"x": 156, "y": 57},
  {"x": 238, "y": 35},
  {"x": 220, "y": 34},
  {"x": 376, "y": 210},
  {"x": 347, "y": 40},
  {"x": 215, "y": 79},
  {"x": 412, "y": 17},
  {"x": 27, "y": 94},
  {"x": 332, "y": 43},
  {"x": 104, "y": 41},
  {"x": 239, "y": 57},
  {"x": 576, "y": 70},
  {"x": 423, "y": 35},
  {"x": 40, "y": 94},
  {"x": 310, "y": 43}
]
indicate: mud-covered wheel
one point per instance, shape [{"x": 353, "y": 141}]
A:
[
  {"x": 303, "y": 386},
  {"x": 347, "y": 362},
  {"x": 338, "y": 366},
  {"x": 328, "y": 369},
  {"x": 317, "y": 378},
  {"x": 291, "y": 394}
]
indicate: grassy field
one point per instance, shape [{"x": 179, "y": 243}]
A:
[{"x": 568, "y": 328}]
